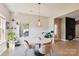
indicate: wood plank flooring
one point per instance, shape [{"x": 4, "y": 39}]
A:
[
  {"x": 67, "y": 48},
  {"x": 60, "y": 48}
]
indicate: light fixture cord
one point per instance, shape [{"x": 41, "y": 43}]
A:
[{"x": 39, "y": 11}]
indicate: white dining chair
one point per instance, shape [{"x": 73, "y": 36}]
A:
[
  {"x": 29, "y": 48},
  {"x": 45, "y": 49}
]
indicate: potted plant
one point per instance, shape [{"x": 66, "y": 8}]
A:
[
  {"x": 48, "y": 34},
  {"x": 11, "y": 38}
]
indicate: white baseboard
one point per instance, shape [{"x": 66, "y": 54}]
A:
[
  {"x": 67, "y": 40},
  {"x": 64, "y": 40},
  {"x": 76, "y": 39}
]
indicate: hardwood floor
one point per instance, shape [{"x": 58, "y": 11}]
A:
[
  {"x": 67, "y": 48},
  {"x": 60, "y": 48}
]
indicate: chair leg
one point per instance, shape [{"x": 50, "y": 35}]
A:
[
  {"x": 37, "y": 53},
  {"x": 51, "y": 53},
  {"x": 26, "y": 52}
]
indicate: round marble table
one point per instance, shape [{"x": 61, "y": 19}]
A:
[{"x": 37, "y": 40}]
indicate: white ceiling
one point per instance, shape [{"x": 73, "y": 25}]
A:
[
  {"x": 46, "y": 9},
  {"x": 74, "y": 14}
]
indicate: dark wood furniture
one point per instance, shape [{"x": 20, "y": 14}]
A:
[{"x": 70, "y": 28}]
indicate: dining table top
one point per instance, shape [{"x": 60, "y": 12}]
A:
[{"x": 37, "y": 40}]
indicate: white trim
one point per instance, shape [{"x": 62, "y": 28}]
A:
[
  {"x": 3, "y": 51},
  {"x": 76, "y": 39},
  {"x": 2, "y": 16},
  {"x": 3, "y": 47},
  {"x": 64, "y": 40}
]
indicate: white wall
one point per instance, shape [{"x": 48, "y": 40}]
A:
[
  {"x": 6, "y": 14},
  {"x": 77, "y": 28},
  {"x": 32, "y": 20},
  {"x": 52, "y": 26},
  {"x": 4, "y": 11},
  {"x": 51, "y": 23},
  {"x": 63, "y": 29}
]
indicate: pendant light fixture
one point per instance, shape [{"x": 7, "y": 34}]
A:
[{"x": 39, "y": 24}]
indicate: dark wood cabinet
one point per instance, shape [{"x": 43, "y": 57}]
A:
[{"x": 70, "y": 28}]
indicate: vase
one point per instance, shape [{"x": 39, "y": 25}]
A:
[{"x": 11, "y": 44}]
